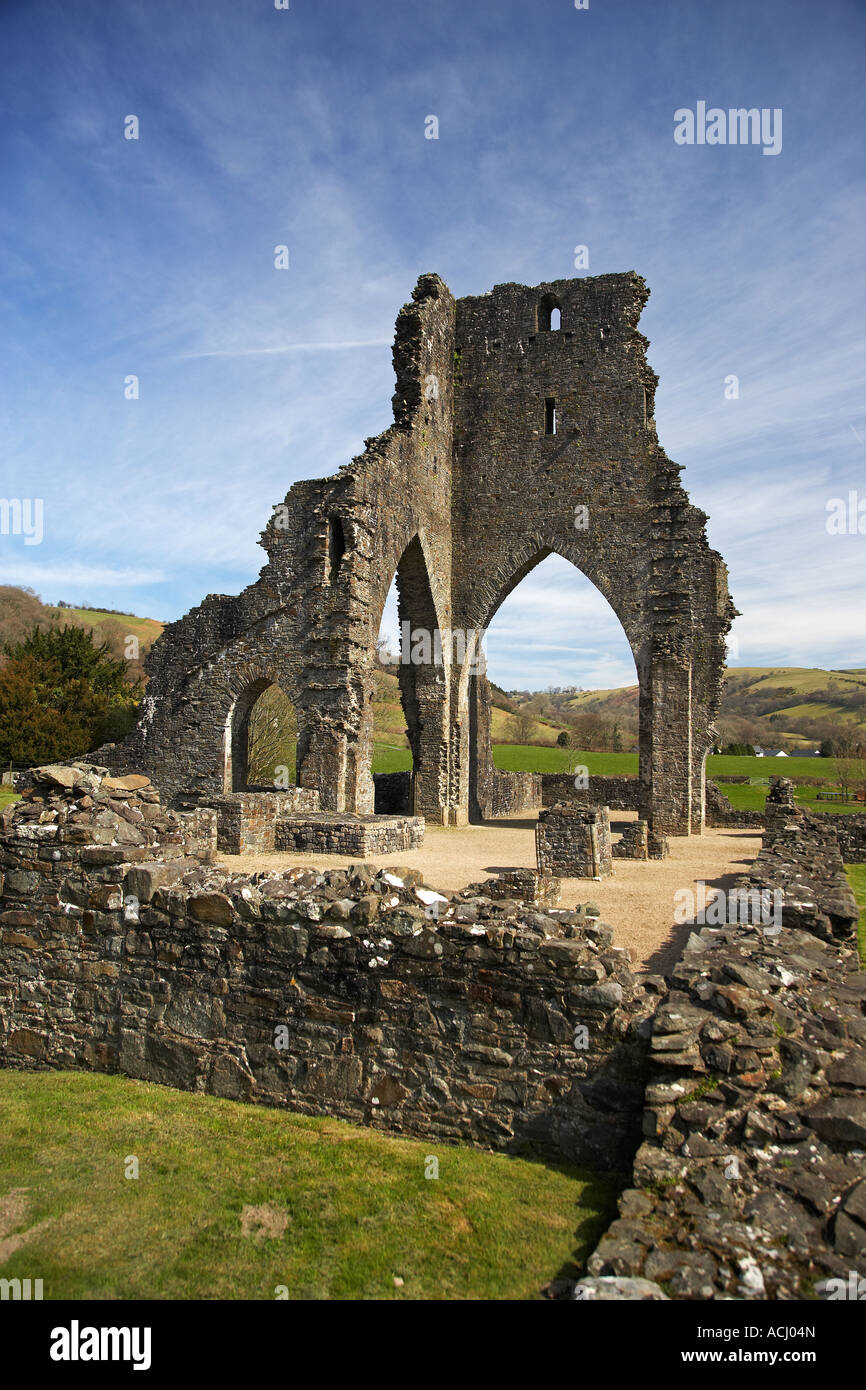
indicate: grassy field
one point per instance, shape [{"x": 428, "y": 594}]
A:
[
  {"x": 857, "y": 878},
  {"x": 526, "y": 758},
  {"x": 516, "y": 757},
  {"x": 145, "y": 629},
  {"x": 387, "y": 758},
  {"x": 341, "y": 1211}
]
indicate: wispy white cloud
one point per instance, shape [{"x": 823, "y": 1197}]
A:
[
  {"x": 74, "y": 575},
  {"x": 290, "y": 347},
  {"x": 306, "y": 128}
]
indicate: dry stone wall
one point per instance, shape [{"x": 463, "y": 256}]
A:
[
  {"x": 574, "y": 841},
  {"x": 320, "y": 832},
  {"x": 247, "y": 821},
  {"x": 619, "y": 793},
  {"x": 737, "y": 1089},
  {"x": 509, "y": 793},
  {"x": 850, "y": 832}
]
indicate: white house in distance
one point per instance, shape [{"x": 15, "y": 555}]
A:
[{"x": 770, "y": 753}]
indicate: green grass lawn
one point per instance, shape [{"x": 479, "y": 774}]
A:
[
  {"x": 516, "y": 757},
  {"x": 7, "y": 794},
  {"x": 387, "y": 758},
  {"x": 512, "y": 757},
  {"x": 352, "y": 1207},
  {"x": 857, "y": 878}
]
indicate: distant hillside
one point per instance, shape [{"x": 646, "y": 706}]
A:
[
  {"x": 790, "y": 707},
  {"x": 21, "y": 610},
  {"x": 145, "y": 629}
]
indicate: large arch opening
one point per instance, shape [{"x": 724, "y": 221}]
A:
[
  {"x": 392, "y": 763},
  {"x": 558, "y": 681},
  {"x": 415, "y": 659},
  {"x": 556, "y": 650},
  {"x": 262, "y": 739}
]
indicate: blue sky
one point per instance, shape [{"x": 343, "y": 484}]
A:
[{"x": 305, "y": 127}]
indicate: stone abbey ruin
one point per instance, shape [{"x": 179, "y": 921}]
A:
[
  {"x": 512, "y": 439},
  {"x": 733, "y": 1090}
]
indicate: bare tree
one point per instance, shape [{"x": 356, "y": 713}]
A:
[
  {"x": 848, "y": 775},
  {"x": 521, "y": 727},
  {"x": 272, "y": 737}
]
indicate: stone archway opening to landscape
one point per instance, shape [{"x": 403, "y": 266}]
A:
[
  {"x": 392, "y": 750},
  {"x": 557, "y": 642},
  {"x": 422, "y": 660},
  {"x": 559, "y": 598},
  {"x": 262, "y": 736}
]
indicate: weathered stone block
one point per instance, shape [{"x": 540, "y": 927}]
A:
[{"x": 574, "y": 842}]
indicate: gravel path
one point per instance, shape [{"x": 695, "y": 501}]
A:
[{"x": 638, "y": 900}]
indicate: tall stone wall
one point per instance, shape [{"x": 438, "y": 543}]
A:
[{"x": 511, "y": 441}]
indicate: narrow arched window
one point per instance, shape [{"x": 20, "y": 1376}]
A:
[{"x": 548, "y": 314}]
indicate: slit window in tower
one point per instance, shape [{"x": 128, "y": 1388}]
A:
[
  {"x": 550, "y": 415},
  {"x": 336, "y": 546}
]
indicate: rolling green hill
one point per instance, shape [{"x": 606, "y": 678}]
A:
[
  {"x": 784, "y": 706},
  {"x": 145, "y": 629},
  {"x": 792, "y": 707}
]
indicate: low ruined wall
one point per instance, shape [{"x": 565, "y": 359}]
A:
[
  {"x": 751, "y": 1180},
  {"x": 574, "y": 841},
  {"x": 851, "y": 835},
  {"x": 393, "y": 793},
  {"x": 338, "y": 993},
  {"x": 325, "y": 832},
  {"x": 619, "y": 793},
  {"x": 247, "y": 821},
  {"x": 506, "y": 793}
]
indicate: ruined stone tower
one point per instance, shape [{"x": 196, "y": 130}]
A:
[{"x": 512, "y": 439}]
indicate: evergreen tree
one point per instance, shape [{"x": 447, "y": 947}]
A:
[{"x": 62, "y": 694}]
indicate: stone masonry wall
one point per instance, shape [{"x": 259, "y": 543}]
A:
[
  {"x": 393, "y": 793},
  {"x": 247, "y": 821},
  {"x": 339, "y": 993},
  {"x": 619, "y": 793},
  {"x": 323, "y": 833},
  {"x": 574, "y": 841},
  {"x": 851, "y": 835},
  {"x": 506, "y": 793},
  {"x": 751, "y": 1180}
]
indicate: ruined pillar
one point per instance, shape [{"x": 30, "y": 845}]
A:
[{"x": 666, "y": 760}]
